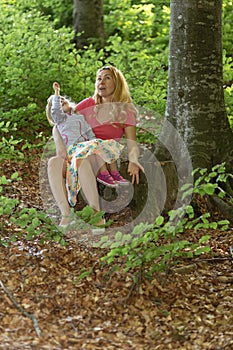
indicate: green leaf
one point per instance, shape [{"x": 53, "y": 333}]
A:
[
  {"x": 118, "y": 236},
  {"x": 15, "y": 176},
  {"x": 159, "y": 220},
  {"x": 204, "y": 239},
  {"x": 115, "y": 245},
  {"x": 83, "y": 275},
  {"x": 223, "y": 222},
  {"x": 202, "y": 250},
  {"x": 209, "y": 188}
]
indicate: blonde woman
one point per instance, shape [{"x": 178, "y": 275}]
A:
[
  {"x": 112, "y": 115},
  {"x": 82, "y": 153}
]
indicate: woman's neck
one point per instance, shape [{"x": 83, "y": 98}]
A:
[{"x": 107, "y": 99}]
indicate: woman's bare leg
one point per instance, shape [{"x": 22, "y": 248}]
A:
[
  {"x": 88, "y": 183},
  {"x": 57, "y": 185}
]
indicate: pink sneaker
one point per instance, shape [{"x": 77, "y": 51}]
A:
[
  {"x": 118, "y": 178},
  {"x": 106, "y": 179}
]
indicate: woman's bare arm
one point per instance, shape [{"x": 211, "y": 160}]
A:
[{"x": 133, "y": 154}]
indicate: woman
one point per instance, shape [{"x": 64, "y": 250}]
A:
[
  {"x": 111, "y": 115},
  {"x": 81, "y": 144}
]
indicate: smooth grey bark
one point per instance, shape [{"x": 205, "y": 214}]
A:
[
  {"x": 195, "y": 100},
  {"x": 88, "y": 22}
]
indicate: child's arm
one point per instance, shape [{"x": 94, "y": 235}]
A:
[
  {"x": 56, "y": 88},
  {"x": 57, "y": 112},
  {"x": 60, "y": 146}
]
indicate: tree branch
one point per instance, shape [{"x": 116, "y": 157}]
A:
[{"x": 19, "y": 307}]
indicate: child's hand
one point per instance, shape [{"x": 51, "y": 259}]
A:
[{"x": 56, "y": 87}]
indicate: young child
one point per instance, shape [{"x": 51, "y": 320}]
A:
[{"x": 79, "y": 140}]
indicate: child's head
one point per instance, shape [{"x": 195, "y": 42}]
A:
[{"x": 65, "y": 106}]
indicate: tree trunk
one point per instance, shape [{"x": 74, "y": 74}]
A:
[
  {"x": 195, "y": 101},
  {"x": 88, "y": 23}
]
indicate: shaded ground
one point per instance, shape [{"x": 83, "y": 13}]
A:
[{"x": 189, "y": 308}]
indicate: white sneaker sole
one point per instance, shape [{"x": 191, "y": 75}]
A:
[{"x": 107, "y": 184}]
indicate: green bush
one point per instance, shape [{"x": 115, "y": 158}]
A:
[
  {"x": 37, "y": 50},
  {"x": 158, "y": 246},
  {"x": 30, "y": 223}
]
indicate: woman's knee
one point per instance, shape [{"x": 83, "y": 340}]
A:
[{"x": 56, "y": 164}]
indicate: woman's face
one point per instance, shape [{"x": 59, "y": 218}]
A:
[{"x": 105, "y": 85}]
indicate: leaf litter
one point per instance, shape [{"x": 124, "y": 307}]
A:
[{"x": 188, "y": 308}]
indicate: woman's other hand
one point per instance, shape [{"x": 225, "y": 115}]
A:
[{"x": 133, "y": 170}]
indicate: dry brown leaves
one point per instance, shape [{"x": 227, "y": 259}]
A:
[{"x": 189, "y": 308}]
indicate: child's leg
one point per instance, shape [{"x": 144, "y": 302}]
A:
[
  {"x": 105, "y": 177},
  {"x": 100, "y": 171},
  {"x": 114, "y": 172},
  {"x": 97, "y": 163},
  {"x": 113, "y": 166}
]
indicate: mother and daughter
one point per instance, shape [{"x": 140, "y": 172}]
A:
[{"x": 87, "y": 138}]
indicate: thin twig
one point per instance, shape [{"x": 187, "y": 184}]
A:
[
  {"x": 214, "y": 259},
  {"x": 24, "y": 312},
  {"x": 231, "y": 251},
  {"x": 135, "y": 284}
]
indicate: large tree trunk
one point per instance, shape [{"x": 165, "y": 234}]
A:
[
  {"x": 88, "y": 23},
  {"x": 196, "y": 132},
  {"x": 195, "y": 101}
]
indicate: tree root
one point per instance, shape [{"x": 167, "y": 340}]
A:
[
  {"x": 225, "y": 209},
  {"x": 19, "y": 307}
]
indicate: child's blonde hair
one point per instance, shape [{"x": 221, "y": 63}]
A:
[
  {"x": 48, "y": 110},
  {"x": 49, "y": 106}
]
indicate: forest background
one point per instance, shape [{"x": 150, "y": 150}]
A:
[
  {"x": 183, "y": 288},
  {"x": 38, "y": 48}
]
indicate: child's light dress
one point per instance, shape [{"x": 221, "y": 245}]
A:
[{"x": 80, "y": 142}]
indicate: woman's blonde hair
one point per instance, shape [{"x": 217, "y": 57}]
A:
[{"x": 120, "y": 95}]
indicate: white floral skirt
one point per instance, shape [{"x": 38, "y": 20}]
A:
[{"x": 108, "y": 150}]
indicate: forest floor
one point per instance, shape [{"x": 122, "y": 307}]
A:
[{"x": 44, "y": 305}]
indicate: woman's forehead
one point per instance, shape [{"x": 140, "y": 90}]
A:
[{"x": 104, "y": 73}]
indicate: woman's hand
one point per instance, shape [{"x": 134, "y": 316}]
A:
[{"x": 133, "y": 170}]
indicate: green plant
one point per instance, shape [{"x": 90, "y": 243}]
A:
[
  {"x": 30, "y": 222},
  {"x": 7, "y": 205},
  {"x": 158, "y": 246},
  {"x": 8, "y": 143},
  {"x": 35, "y": 224},
  {"x": 211, "y": 182}
]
